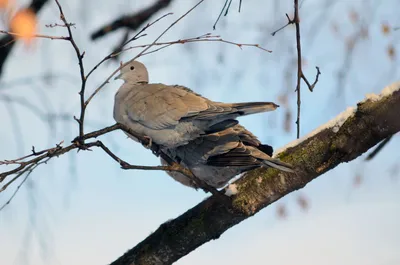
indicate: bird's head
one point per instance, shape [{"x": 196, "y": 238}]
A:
[{"x": 134, "y": 72}]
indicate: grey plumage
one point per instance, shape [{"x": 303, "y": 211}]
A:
[
  {"x": 218, "y": 157},
  {"x": 172, "y": 115}
]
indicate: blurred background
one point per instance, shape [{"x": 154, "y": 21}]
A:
[{"x": 81, "y": 208}]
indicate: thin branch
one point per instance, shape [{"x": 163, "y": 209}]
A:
[
  {"x": 35, "y": 36},
  {"x": 141, "y": 53},
  {"x": 79, "y": 55},
  {"x": 300, "y": 73},
  {"x": 155, "y": 149},
  {"x": 299, "y": 63},
  {"x": 203, "y": 38},
  {"x": 137, "y": 36},
  {"x": 18, "y": 187},
  {"x": 59, "y": 25},
  {"x": 78, "y": 143},
  {"x": 290, "y": 21}
]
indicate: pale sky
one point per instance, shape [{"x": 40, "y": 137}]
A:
[{"x": 83, "y": 209}]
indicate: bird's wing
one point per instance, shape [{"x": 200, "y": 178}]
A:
[
  {"x": 199, "y": 150},
  {"x": 159, "y": 106}
]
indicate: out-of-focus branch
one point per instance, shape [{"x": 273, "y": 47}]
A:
[
  {"x": 371, "y": 122},
  {"x": 132, "y": 22},
  {"x": 378, "y": 148},
  {"x": 7, "y": 42},
  {"x": 226, "y": 7}
]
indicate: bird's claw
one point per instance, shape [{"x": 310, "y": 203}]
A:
[{"x": 149, "y": 142}]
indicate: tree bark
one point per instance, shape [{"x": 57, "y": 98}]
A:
[{"x": 372, "y": 122}]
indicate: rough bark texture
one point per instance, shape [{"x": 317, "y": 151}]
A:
[{"x": 372, "y": 122}]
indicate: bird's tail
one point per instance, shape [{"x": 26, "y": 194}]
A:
[
  {"x": 247, "y": 108},
  {"x": 275, "y": 163}
]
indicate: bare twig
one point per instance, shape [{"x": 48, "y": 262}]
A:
[
  {"x": 30, "y": 169},
  {"x": 59, "y": 25},
  {"x": 156, "y": 150},
  {"x": 290, "y": 21},
  {"x": 203, "y": 38},
  {"x": 142, "y": 52},
  {"x": 79, "y": 55},
  {"x": 78, "y": 143},
  {"x": 300, "y": 74},
  {"x": 35, "y": 35},
  {"x": 113, "y": 54}
]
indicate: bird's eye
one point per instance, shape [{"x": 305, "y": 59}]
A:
[{"x": 132, "y": 67}]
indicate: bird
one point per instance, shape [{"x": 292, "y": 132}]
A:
[
  {"x": 172, "y": 115},
  {"x": 218, "y": 157}
]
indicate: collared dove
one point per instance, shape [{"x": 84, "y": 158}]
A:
[
  {"x": 218, "y": 157},
  {"x": 172, "y": 115}
]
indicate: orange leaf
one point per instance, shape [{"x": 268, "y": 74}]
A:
[{"x": 24, "y": 23}]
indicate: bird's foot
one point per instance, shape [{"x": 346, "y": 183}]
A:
[{"x": 148, "y": 142}]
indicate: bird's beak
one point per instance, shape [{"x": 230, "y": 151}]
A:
[{"x": 118, "y": 76}]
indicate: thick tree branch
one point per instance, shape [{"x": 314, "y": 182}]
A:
[{"x": 335, "y": 143}]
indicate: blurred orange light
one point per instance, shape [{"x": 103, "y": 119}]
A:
[
  {"x": 3, "y": 4},
  {"x": 24, "y": 24}
]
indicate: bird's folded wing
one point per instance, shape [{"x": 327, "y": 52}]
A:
[
  {"x": 160, "y": 106},
  {"x": 200, "y": 149},
  {"x": 238, "y": 157}
]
